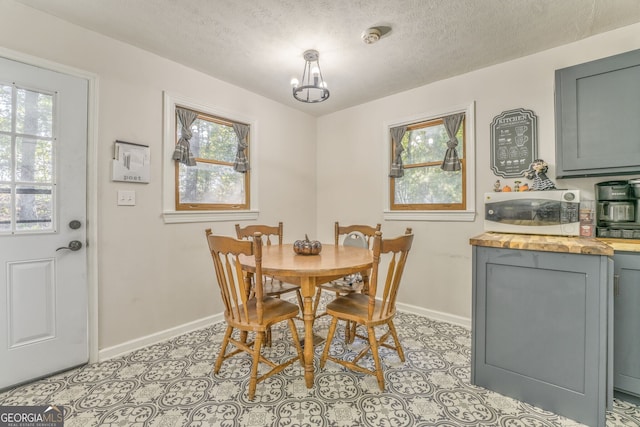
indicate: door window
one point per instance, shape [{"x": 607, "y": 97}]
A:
[{"x": 27, "y": 160}]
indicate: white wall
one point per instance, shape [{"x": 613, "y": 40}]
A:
[
  {"x": 438, "y": 275},
  {"x": 154, "y": 276}
]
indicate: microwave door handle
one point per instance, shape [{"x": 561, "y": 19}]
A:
[{"x": 605, "y": 208}]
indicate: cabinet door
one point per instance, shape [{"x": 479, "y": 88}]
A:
[
  {"x": 539, "y": 330},
  {"x": 626, "y": 325},
  {"x": 597, "y": 126}
]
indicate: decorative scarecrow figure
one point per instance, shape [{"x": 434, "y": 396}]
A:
[{"x": 538, "y": 172}]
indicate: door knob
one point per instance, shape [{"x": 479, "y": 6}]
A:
[{"x": 74, "y": 245}]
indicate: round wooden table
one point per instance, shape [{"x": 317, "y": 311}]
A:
[{"x": 308, "y": 271}]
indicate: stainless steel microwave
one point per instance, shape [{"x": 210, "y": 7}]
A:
[{"x": 554, "y": 212}]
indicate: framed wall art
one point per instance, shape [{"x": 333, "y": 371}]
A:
[
  {"x": 514, "y": 142},
  {"x": 131, "y": 162}
]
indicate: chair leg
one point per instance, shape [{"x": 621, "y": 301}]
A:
[
  {"x": 267, "y": 341},
  {"x": 316, "y": 301},
  {"x": 300, "y": 301},
  {"x": 325, "y": 352},
  {"x": 376, "y": 357},
  {"x": 348, "y": 338},
  {"x": 352, "y": 332},
  {"x": 296, "y": 340},
  {"x": 394, "y": 334},
  {"x": 223, "y": 349},
  {"x": 257, "y": 346}
]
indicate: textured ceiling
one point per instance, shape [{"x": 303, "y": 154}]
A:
[{"x": 258, "y": 44}]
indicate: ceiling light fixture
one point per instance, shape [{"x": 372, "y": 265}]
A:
[{"x": 314, "y": 88}]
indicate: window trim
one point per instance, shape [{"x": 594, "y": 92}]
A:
[
  {"x": 212, "y": 206},
  {"x": 169, "y": 212},
  {"x": 439, "y": 121},
  {"x": 467, "y": 214}
]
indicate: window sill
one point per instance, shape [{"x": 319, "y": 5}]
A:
[
  {"x": 177, "y": 217},
  {"x": 452, "y": 216}
]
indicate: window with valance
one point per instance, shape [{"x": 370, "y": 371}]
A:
[
  {"x": 211, "y": 161},
  {"x": 428, "y": 164}
]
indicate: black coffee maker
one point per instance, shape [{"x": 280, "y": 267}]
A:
[{"x": 617, "y": 209}]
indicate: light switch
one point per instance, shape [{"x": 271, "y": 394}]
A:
[{"x": 126, "y": 198}]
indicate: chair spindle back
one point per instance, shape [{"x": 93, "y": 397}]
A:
[
  {"x": 367, "y": 230},
  {"x": 398, "y": 249},
  {"x": 235, "y": 288},
  {"x": 268, "y": 232}
]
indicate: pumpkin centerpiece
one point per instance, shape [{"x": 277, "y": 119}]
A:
[{"x": 307, "y": 247}]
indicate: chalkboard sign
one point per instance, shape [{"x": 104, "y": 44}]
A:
[{"x": 514, "y": 142}]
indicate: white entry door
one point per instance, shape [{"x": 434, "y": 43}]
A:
[{"x": 43, "y": 260}]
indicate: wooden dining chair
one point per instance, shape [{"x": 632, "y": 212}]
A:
[
  {"x": 354, "y": 235},
  {"x": 375, "y": 309},
  {"x": 248, "y": 311},
  {"x": 271, "y": 286}
]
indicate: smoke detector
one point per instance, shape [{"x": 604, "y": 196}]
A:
[{"x": 371, "y": 35}]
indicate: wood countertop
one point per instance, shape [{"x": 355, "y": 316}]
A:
[
  {"x": 573, "y": 245},
  {"x": 622, "y": 245}
]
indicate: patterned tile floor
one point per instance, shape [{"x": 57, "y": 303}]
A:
[{"x": 170, "y": 384}]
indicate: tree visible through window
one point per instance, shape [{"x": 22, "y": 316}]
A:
[
  {"x": 27, "y": 176},
  {"x": 212, "y": 184},
  {"x": 425, "y": 186}
]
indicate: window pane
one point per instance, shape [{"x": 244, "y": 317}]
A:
[
  {"x": 5, "y": 209},
  {"x": 34, "y": 160},
  {"x": 34, "y": 208},
  {"x": 5, "y": 158},
  {"x": 424, "y": 145},
  {"x": 428, "y": 144},
  {"x": 5, "y": 108},
  {"x": 34, "y": 113},
  {"x": 211, "y": 184},
  {"x": 213, "y": 141},
  {"x": 428, "y": 185}
]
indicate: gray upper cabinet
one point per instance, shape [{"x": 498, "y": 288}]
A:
[{"x": 598, "y": 117}]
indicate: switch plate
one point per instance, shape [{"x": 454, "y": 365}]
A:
[{"x": 126, "y": 198}]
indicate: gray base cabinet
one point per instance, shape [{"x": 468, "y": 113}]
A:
[
  {"x": 541, "y": 329},
  {"x": 626, "y": 367}
]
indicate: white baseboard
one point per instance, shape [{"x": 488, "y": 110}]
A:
[
  {"x": 435, "y": 315},
  {"x": 138, "y": 343}
]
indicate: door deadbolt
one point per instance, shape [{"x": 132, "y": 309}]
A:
[
  {"x": 74, "y": 245},
  {"x": 75, "y": 224}
]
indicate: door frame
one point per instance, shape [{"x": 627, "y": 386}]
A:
[{"x": 92, "y": 184}]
